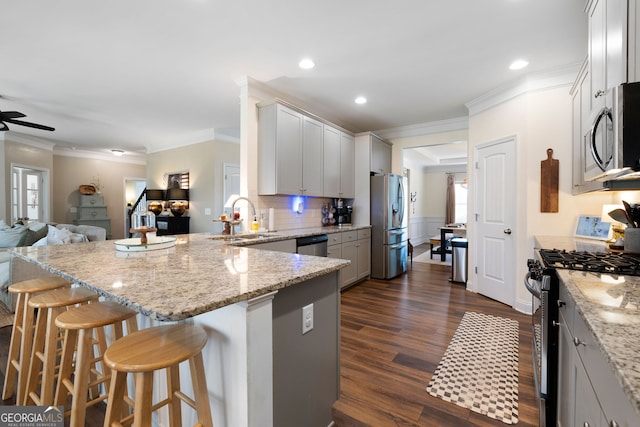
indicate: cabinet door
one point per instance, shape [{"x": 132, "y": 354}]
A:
[
  {"x": 288, "y": 151},
  {"x": 616, "y": 42},
  {"x": 331, "y": 156},
  {"x": 576, "y": 104},
  {"x": 350, "y": 273},
  {"x": 380, "y": 156},
  {"x": 347, "y": 166},
  {"x": 597, "y": 55},
  {"x": 588, "y": 412},
  {"x": 364, "y": 257},
  {"x": 566, "y": 376},
  {"x": 334, "y": 251},
  {"x": 312, "y": 155}
]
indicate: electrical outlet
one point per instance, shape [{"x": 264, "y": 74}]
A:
[{"x": 307, "y": 318}]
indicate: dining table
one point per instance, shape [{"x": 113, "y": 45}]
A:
[{"x": 459, "y": 230}]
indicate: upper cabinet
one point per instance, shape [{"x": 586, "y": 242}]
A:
[
  {"x": 607, "y": 49},
  {"x": 380, "y": 156},
  {"x": 301, "y": 155},
  {"x": 610, "y": 61}
]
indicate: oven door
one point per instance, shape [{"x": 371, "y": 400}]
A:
[{"x": 540, "y": 307}]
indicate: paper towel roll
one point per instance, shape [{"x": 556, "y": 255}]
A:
[{"x": 272, "y": 219}]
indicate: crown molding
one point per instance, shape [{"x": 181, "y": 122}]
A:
[
  {"x": 128, "y": 157},
  {"x": 449, "y": 125},
  {"x": 32, "y": 141},
  {"x": 558, "y": 77}
]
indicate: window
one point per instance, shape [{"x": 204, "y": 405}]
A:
[
  {"x": 28, "y": 193},
  {"x": 461, "y": 202}
]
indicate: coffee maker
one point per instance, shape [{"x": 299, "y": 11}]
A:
[{"x": 343, "y": 212}]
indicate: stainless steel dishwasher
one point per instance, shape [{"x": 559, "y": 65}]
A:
[{"x": 312, "y": 245}]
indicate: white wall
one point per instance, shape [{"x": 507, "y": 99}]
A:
[
  {"x": 539, "y": 120},
  {"x": 204, "y": 161}
]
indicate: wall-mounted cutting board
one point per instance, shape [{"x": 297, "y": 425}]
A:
[{"x": 549, "y": 170}]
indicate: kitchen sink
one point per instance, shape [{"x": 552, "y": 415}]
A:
[{"x": 242, "y": 237}]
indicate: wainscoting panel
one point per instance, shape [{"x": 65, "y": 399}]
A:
[{"x": 422, "y": 228}]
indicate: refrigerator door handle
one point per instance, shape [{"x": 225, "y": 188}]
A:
[{"x": 398, "y": 246}]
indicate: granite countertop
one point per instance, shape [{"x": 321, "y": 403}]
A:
[
  {"x": 198, "y": 275},
  {"x": 610, "y": 306}
]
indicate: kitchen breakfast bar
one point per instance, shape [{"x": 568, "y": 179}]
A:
[{"x": 261, "y": 370}]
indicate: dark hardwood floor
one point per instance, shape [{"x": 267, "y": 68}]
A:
[{"x": 394, "y": 333}]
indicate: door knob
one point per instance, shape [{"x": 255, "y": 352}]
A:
[{"x": 507, "y": 231}]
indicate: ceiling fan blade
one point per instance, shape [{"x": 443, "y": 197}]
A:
[
  {"x": 11, "y": 115},
  {"x": 4, "y": 127},
  {"x": 28, "y": 124}
]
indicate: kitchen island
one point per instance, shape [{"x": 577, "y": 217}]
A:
[
  {"x": 248, "y": 300},
  {"x": 607, "y": 320}
]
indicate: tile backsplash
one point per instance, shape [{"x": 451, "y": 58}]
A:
[{"x": 284, "y": 208}]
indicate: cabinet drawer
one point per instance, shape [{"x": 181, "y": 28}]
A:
[
  {"x": 85, "y": 212},
  {"x": 349, "y": 236},
  {"x": 334, "y": 239},
  {"x": 92, "y": 200},
  {"x": 364, "y": 233}
]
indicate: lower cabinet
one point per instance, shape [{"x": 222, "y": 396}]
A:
[
  {"x": 354, "y": 246},
  {"x": 588, "y": 392}
]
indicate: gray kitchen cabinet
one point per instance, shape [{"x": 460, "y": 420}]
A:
[
  {"x": 588, "y": 391},
  {"x": 93, "y": 211},
  {"x": 290, "y": 159},
  {"x": 380, "y": 156},
  {"x": 312, "y": 157},
  {"x": 302, "y": 155},
  {"x": 347, "y": 163},
  {"x": 607, "y": 49},
  {"x": 339, "y": 162},
  {"x": 364, "y": 253},
  {"x": 331, "y": 153}
]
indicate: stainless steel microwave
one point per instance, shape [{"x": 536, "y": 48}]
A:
[{"x": 613, "y": 146}]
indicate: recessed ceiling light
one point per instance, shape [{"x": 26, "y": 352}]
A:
[
  {"x": 361, "y": 100},
  {"x": 306, "y": 64},
  {"x": 518, "y": 64},
  {"x": 117, "y": 153}
]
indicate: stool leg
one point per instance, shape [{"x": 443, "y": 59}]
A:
[
  {"x": 175, "y": 404},
  {"x": 200, "y": 392},
  {"x": 144, "y": 399},
  {"x": 32, "y": 371},
  {"x": 115, "y": 402},
  {"x": 47, "y": 388},
  {"x": 14, "y": 349},
  {"x": 66, "y": 366},
  {"x": 84, "y": 357}
]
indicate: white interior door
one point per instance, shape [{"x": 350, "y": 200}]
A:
[
  {"x": 28, "y": 194},
  {"x": 496, "y": 206}
]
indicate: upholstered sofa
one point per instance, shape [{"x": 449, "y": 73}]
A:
[{"x": 37, "y": 234}]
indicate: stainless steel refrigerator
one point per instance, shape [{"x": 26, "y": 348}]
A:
[{"x": 389, "y": 226}]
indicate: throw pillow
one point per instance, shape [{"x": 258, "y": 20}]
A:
[
  {"x": 56, "y": 236},
  {"x": 35, "y": 232},
  {"x": 78, "y": 238},
  {"x": 41, "y": 242},
  {"x": 13, "y": 237}
]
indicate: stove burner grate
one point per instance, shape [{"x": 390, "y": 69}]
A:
[{"x": 595, "y": 262}]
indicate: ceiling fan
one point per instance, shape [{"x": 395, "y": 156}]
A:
[{"x": 10, "y": 116}]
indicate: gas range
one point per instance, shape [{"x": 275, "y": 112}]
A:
[{"x": 594, "y": 262}]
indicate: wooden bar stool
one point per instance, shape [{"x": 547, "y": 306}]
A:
[
  {"x": 22, "y": 332},
  {"x": 81, "y": 325},
  {"x": 143, "y": 352},
  {"x": 46, "y": 341}
]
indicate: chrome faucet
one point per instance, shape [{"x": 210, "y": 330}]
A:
[{"x": 233, "y": 209}]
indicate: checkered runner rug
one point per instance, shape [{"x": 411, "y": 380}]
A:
[{"x": 479, "y": 369}]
